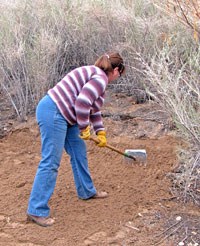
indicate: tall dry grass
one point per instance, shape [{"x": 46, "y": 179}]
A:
[
  {"x": 171, "y": 77},
  {"x": 40, "y": 41},
  {"x": 184, "y": 11},
  {"x": 43, "y": 40},
  {"x": 177, "y": 89}
]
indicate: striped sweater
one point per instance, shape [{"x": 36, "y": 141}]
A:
[{"x": 80, "y": 95}]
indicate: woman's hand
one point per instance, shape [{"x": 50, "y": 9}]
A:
[
  {"x": 85, "y": 134},
  {"x": 101, "y": 135}
]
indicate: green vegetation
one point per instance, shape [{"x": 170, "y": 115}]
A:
[{"x": 41, "y": 41}]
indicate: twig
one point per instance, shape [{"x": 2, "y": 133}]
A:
[
  {"x": 186, "y": 232},
  {"x": 169, "y": 228},
  {"x": 184, "y": 15},
  {"x": 132, "y": 227},
  {"x": 195, "y": 5},
  {"x": 168, "y": 235}
]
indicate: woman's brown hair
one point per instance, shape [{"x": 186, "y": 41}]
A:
[{"x": 110, "y": 61}]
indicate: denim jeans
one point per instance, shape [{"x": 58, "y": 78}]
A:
[{"x": 56, "y": 135}]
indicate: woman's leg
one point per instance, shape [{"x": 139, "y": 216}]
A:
[
  {"x": 53, "y": 128},
  {"x": 76, "y": 148}
]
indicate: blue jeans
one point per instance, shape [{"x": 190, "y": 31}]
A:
[{"x": 56, "y": 135}]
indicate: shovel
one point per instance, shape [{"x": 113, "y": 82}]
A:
[{"x": 136, "y": 155}]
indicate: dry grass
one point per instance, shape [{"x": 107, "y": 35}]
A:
[
  {"x": 177, "y": 89},
  {"x": 185, "y": 11}
]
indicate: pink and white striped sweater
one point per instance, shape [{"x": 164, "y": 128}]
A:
[{"x": 80, "y": 95}]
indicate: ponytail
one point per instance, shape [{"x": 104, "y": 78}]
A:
[{"x": 109, "y": 61}]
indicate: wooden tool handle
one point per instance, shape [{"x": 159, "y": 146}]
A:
[{"x": 108, "y": 146}]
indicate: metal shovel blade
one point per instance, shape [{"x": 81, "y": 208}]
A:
[{"x": 139, "y": 154}]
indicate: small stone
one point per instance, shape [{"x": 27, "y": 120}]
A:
[
  {"x": 178, "y": 218},
  {"x": 2, "y": 217}
]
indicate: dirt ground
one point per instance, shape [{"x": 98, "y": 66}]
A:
[{"x": 140, "y": 209}]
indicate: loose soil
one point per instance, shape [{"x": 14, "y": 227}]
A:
[{"x": 140, "y": 209}]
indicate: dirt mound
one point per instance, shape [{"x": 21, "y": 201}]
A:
[{"x": 139, "y": 211}]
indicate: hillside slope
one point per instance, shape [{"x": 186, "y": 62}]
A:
[{"x": 140, "y": 209}]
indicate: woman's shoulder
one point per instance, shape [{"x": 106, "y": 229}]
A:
[
  {"x": 90, "y": 68},
  {"x": 89, "y": 72}
]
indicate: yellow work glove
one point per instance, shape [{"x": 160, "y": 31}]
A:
[
  {"x": 101, "y": 135},
  {"x": 85, "y": 134}
]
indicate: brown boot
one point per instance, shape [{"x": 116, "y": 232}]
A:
[
  {"x": 100, "y": 194},
  {"x": 42, "y": 221}
]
